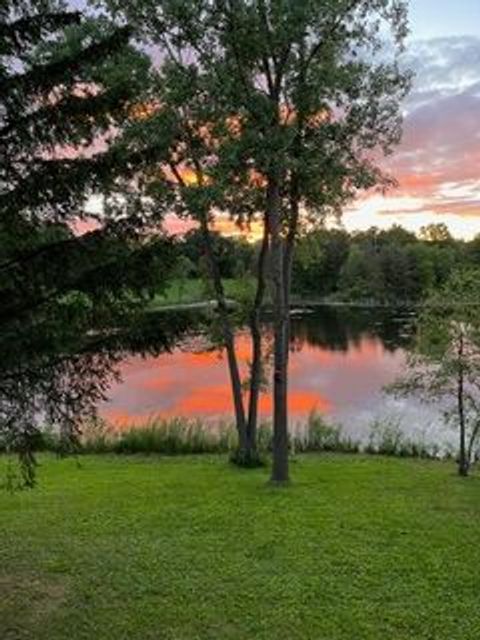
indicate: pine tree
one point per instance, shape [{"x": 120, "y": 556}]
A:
[{"x": 68, "y": 85}]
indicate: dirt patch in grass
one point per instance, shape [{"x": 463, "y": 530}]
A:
[{"x": 28, "y": 600}]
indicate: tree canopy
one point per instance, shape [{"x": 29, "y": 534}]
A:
[{"x": 67, "y": 86}]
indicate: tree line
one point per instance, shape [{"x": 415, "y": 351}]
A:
[{"x": 393, "y": 266}]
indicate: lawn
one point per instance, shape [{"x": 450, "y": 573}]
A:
[
  {"x": 188, "y": 548},
  {"x": 195, "y": 290}
]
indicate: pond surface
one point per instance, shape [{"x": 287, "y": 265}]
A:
[{"x": 340, "y": 361}]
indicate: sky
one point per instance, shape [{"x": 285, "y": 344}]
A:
[
  {"x": 437, "y": 18},
  {"x": 437, "y": 164}
]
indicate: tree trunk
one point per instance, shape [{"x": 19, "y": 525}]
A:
[
  {"x": 464, "y": 462},
  {"x": 289, "y": 250},
  {"x": 280, "y": 310},
  {"x": 256, "y": 333},
  {"x": 472, "y": 442},
  {"x": 228, "y": 336}
]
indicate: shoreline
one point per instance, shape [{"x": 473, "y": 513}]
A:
[{"x": 303, "y": 304}]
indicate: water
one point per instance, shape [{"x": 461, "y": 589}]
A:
[{"x": 340, "y": 361}]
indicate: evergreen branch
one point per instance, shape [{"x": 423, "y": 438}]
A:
[
  {"x": 29, "y": 30},
  {"x": 42, "y": 78}
]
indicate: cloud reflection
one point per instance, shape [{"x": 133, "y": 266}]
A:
[{"x": 325, "y": 376}]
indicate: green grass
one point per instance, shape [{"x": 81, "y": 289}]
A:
[
  {"x": 195, "y": 290},
  {"x": 179, "y": 292},
  {"x": 145, "y": 548}
]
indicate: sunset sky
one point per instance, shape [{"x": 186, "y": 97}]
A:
[{"x": 437, "y": 165}]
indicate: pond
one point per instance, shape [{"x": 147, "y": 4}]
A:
[{"x": 340, "y": 360}]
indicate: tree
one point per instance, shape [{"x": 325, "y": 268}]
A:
[
  {"x": 444, "y": 366},
  {"x": 301, "y": 101},
  {"x": 435, "y": 232},
  {"x": 473, "y": 250},
  {"x": 67, "y": 84},
  {"x": 233, "y": 256},
  {"x": 399, "y": 274},
  {"x": 187, "y": 141},
  {"x": 319, "y": 259},
  {"x": 361, "y": 277},
  {"x": 398, "y": 236},
  {"x": 313, "y": 107}
]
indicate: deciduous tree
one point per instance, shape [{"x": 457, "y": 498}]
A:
[
  {"x": 312, "y": 99},
  {"x": 444, "y": 366}
]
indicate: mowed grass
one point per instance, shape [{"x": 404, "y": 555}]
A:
[
  {"x": 185, "y": 548},
  {"x": 190, "y": 291}
]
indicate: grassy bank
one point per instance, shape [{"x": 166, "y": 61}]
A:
[
  {"x": 195, "y": 290},
  {"x": 190, "y": 291},
  {"x": 191, "y": 548}
]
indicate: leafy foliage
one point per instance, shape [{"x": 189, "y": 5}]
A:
[
  {"x": 67, "y": 86},
  {"x": 275, "y": 111},
  {"x": 445, "y": 365}
]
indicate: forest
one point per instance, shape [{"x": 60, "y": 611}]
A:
[{"x": 394, "y": 266}]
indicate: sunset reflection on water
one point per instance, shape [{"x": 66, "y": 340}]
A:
[{"x": 338, "y": 375}]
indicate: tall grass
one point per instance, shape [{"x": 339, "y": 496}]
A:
[
  {"x": 177, "y": 436},
  {"x": 387, "y": 438},
  {"x": 319, "y": 435},
  {"x": 182, "y": 436}
]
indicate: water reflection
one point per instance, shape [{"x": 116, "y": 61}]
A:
[
  {"x": 340, "y": 360},
  {"x": 341, "y": 329}
]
